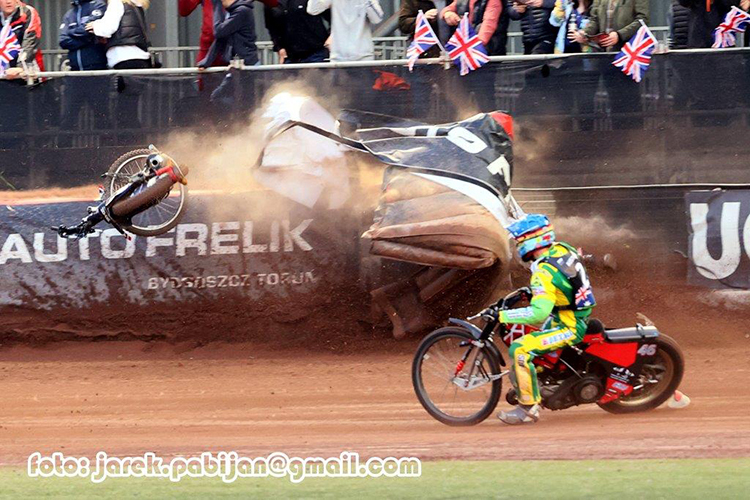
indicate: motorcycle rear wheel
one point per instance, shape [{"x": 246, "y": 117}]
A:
[
  {"x": 154, "y": 210},
  {"x": 439, "y": 354},
  {"x": 669, "y": 360}
]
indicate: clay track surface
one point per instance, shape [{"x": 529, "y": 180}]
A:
[{"x": 131, "y": 397}]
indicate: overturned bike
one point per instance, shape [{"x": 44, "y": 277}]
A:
[{"x": 144, "y": 193}]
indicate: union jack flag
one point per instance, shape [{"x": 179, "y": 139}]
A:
[
  {"x": 424, "y": 38},
  {"x": 9, "y": 48},
  {"x": 735, "y": 22},
  {"x": 465, "y": 49},
  {"x": 635, "y": 56}
]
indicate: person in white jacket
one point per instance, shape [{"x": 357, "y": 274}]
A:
[
  {"x": 351, "y": 27},
  {"x": 124, "y": 27}
]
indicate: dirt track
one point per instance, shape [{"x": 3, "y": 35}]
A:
[{"x": 132, "y": 397}]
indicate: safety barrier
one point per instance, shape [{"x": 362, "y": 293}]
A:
[
  {"x": 636, "y": 149},
  {"x": 386, "y": 48}
]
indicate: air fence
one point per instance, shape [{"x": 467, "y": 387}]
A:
[{"x": 589, "y": 142}]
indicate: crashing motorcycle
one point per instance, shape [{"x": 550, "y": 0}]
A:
[
  {"x": 144, "y": 193},
  {"x": 457, "y": 370}
]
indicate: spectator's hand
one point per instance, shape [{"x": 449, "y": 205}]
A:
[
  {"x": 201, "y": 69},
  {"x": 282, "y": 56},
  {"x": 534, "y": 3},
  {"x": 611, "y": 40},
  {"x": 13, "y": 73},
  {"x": 577, "y": 36},
  {"x": 431, "y": 14},
  {"x": 745, "y": 5},
  {"x": 327, "y": 44},
  {"x": 90, "y": 27},
  {"x": 520, "y": 7},
  {"x": 451, "y": 18}
]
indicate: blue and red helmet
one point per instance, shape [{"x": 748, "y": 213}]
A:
[{"x": 531, "y": 233}]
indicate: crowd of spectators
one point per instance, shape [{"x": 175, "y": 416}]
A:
[
  {"x": 101, "y": 34},
  {"x": 114, "y": 34}
]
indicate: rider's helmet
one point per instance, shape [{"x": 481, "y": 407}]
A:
[{"x": 533, "y": 232}]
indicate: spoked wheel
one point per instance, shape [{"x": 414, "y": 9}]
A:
[
  {"x": 156, "y": 210},
  {"x": 660, "y": 377},
  {"x": 458, "y": 383}
]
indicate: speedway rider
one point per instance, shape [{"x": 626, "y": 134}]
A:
[{"x": 560, "y": 294}]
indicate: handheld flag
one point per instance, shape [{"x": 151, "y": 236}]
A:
[
  {"x": 635, "y": 56},
  {"x": 735, "y": 22},
  {"x": 9, "y": 48},
  {"x": 465, "y": 49},
  {"x": 424, "y": 38}
]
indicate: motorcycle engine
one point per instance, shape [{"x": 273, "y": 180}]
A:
[
  {"x": 588, "y": 389},
  {"x": 571, "y": 392}
]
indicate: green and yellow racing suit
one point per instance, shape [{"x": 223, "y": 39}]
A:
[{"x": 562, "y": 300}]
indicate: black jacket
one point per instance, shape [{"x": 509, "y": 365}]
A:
[
  {"x": 499, "y": 41},
  {"x": 296, "y": 31},
  {"x": 535, "y": 25},
  {"x": 132, "y": 29},
  {"x": 234, "y": 36},
  {"x": 679, "y": 26},
  {"x": 702, "y": 24},
  {"x": 84, "y": 50}
]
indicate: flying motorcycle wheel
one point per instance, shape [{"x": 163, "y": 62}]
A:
[
  {"x": 660, "y": 378},
  {"x": 153, "y": 209},
  {"x": 456, "y": 392}
]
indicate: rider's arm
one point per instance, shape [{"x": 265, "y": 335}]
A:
[{"x": 542, "y": 301}]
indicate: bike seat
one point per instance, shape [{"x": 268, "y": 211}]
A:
[{"x": 632, "y": 334}]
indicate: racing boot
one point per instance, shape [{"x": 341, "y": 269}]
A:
[{"x": 522, "y": 414}]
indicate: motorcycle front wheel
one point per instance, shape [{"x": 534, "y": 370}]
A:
[{"x": 458, "y": 383}]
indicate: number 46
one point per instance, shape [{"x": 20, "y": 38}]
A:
[{"x": 647, "y": 350}]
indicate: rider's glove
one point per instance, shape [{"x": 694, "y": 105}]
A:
[{"x": 526, "y": 292}]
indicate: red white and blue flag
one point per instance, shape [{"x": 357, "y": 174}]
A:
[
  {"x": 735, "y": 22},
  {"x": 9, "y": 48},
  {"x": 635, "y": 56},
  {"x": 465, "y": 49},
  {"x": 424, "y": 38}
]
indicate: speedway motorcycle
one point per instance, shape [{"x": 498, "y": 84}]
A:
[
  {"x": 457, "y": 371},
  {"x": 144, "y": 193}
]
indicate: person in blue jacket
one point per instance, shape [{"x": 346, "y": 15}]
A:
[{"x": 85, "y": 53}]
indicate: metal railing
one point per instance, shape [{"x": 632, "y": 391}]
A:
[{"x": 386, "y": 49}]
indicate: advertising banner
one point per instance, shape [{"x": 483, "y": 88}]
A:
[
  {"x": 719, "y": 243},
  {"x": 258, "y": 247}
]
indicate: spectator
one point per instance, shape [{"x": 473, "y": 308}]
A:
[
  {"x": 351, "y": 27},
  {"x": 577, "y": 78},
  {"x": 297, "y": 36},
  {"x": 619, "y": 20},
  {"x": 704, "y": 18},
  {"x": 185, "y": 8},
  {"x": 538, "y": 34},
  {"x": 234, "y": 36},
  {"x": 124, "y": 27},
  {"x": 26, "y": 25},
  {"x": 679, "y": 20},
  {"x": 407, "y": 20},
  {"x": 84, "y": 50},
  {"x": 570, "y": 16},
  {"x": 485, "y": 17}
]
